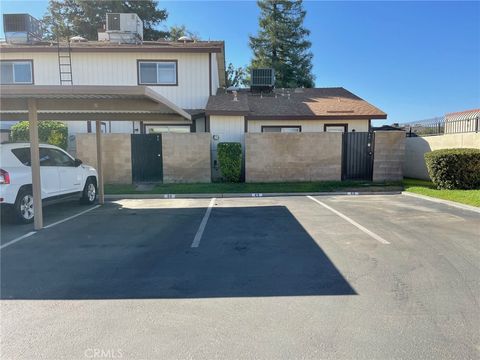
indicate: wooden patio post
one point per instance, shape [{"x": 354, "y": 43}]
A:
[
  {"x": 98, "y": 135},
  {"x": 35, "y": 164}
]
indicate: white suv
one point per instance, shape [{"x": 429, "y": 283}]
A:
[{"x": 60, "y": 175}]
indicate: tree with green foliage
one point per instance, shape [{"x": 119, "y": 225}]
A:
[
  {"x": 50, "y": 132},
  {"x": 67, "y": 18},
  {"x": 282, "y": 43},
  {"x": 236, "y": 77},
  {"x": 177, "y": 31}
]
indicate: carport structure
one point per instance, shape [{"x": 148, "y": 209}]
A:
[{"x": 81, "y": 103}]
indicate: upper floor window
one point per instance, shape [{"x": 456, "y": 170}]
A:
[
  {"x": 157, "y": 72},
  {"x": 16, "y": 72}
]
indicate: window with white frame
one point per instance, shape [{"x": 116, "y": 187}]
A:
[
  {"x": 157, "y": 73},
  {"x": 16, "y": 72},
  {"x": 283, "y": 129},
  {"x": 155, "y": 129}
]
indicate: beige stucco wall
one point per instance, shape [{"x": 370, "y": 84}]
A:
[
  {"x": 416, "y": 147},
  {"x": 274, "y": 157},
  {"x": 307, "y": 125},
  {"x": 389, "y": 155},
  {"x": 117, "y": 156},
  {"x": 186, "y": 157}
]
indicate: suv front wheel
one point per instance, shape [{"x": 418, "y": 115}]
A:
[
  {"x": 89, "y": 194},
  {"x": 23, "y": 207}
]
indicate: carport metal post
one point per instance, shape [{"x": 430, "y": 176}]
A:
[
  {"x": 98, "y": 135},
  {"x": 35, "y": 164}
]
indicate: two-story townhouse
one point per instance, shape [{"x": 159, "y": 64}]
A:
[{"x": 185, "y": 73}]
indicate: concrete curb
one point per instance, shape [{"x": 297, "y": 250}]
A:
[
  {"x": 245, "y": 195},
  {"x": 441, "y": 201}
]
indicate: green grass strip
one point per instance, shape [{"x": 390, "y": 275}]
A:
[
  {"x": 280, "y": 187},
  {"x": 423, "y": 187}
]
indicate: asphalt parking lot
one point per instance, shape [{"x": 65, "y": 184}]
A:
[{"x": 331, "y": 277}]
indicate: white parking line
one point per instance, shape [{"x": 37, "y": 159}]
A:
[
  {"x": 72, "y": 217},
  {"x": 46, "y": 227},
  {"x": 17, "y": 239},
  {"x": 201, "y": 228},
  {"x": 353, "y": 222}
]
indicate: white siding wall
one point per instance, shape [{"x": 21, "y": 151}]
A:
[
  {"x": 215, "y": 80},
  {"x": 45, "y": 66},
  {"x": 227, "y": 128},
  {"x": 232, "y": 128},
  {"x": 121, "y": 69},
  {"x": 255, "y": 126}
]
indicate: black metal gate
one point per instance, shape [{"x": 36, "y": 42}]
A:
[
  {"x": 357, "y": 155},
  {"x": 147, "y": 157}
]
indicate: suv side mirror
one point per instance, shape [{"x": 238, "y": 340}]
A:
[{"x": 78, "y": 162}]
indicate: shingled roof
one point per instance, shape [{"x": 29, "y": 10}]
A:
[{"x": 300, "y": 104}]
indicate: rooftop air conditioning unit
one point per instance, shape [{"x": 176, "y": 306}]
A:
[
  {"x": 21, "y": 28},
  {"x": 124, "y": 28},
  {"x": 262, "y": 79}
]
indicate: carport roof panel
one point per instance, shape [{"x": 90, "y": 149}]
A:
[
  {"x": 85, "y": 92},
  {"x": 62, "y": 91}
]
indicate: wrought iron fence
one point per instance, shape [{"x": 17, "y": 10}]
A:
[{"x": 441, "y": 125}]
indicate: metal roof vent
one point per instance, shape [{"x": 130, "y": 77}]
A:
[
  {"x": 185, "y": 39},
  {"x": 78, "y": 39},
  {"x": 232, "y": 88}
]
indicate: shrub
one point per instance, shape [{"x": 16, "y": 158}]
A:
[
  {"x": 454, "y": 168},
  {"x": 50, "y": 132},
  {"x": 230, "y": 160}
]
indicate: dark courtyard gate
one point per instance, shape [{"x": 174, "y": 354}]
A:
[
  {"x": 147, "y": 157},
  {"x": 357, "y": 155}
]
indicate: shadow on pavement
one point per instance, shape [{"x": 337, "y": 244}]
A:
[
  {"x": 9, "y": 229},
  {"x": 120, "y": 253}
]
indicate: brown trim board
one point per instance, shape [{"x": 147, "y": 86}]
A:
[
  {"x": 207, "y": 123},
  {"x": 100, "y": 49},
  {"x": 209, "y": 74},
  {"x": 227, "y": 113},
  {"x": 310, "y": 117}
]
